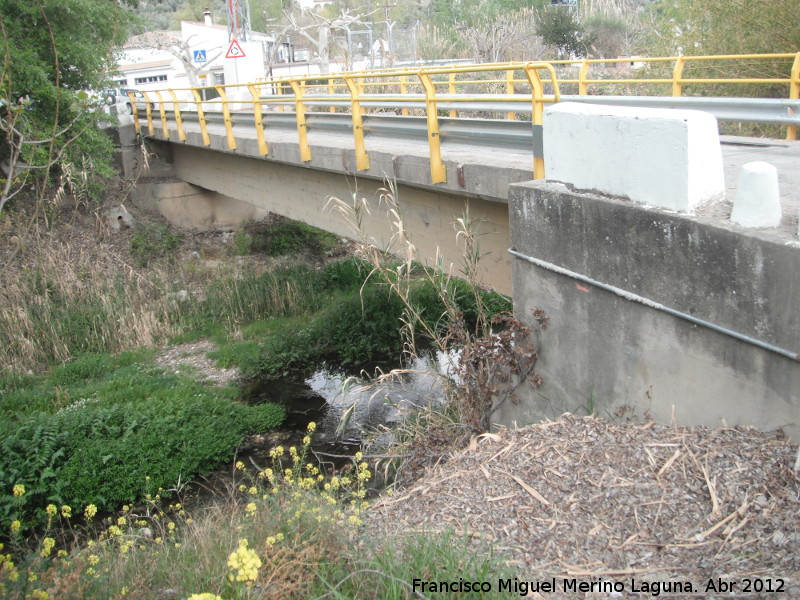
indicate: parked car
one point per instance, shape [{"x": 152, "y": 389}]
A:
[{"x": 120, "y": 98}]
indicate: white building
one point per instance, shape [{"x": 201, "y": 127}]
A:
[{"x": 200, "y": 54}]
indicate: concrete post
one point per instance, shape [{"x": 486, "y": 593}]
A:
[{"x": 757, "y": 201}]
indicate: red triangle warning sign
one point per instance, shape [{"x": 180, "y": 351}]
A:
[{"x": 235, "y": 50}]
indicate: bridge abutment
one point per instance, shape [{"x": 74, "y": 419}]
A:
[{"x": 604, "y": 269}]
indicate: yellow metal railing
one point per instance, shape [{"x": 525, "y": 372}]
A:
[{"x": 423, "y": 90}]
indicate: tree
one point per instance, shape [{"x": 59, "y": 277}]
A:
[
  {"x": 497, "y": 39},
  {"x": 726, "y": 26},
  {"x": 46, "y": 68},
  {"x": 719, "y": 27},
  {"x": 320, "y": 31},
  {"x": 559, "y": 28}
]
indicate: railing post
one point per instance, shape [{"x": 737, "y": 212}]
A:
[
  {"x": 226, "y": 116},
  {"x": 331, "y": 91},
  {"x": 258, "y": 119},
  {"x": 537, "y": 99},
  {"x": 794, "y": 93},
  {"x": 300, "y": 117},
  {"x": 510, "y": 116},
  {"x": 677, "y": 73},
  {"x": 438, "y": 171},
  {"x": 151, "y": 128},
  {"x": 201, "y": 117},
  {"x": 135, "y": 110},
  {"x": 403, "y": 90},
  {"x": 163, "y": 114},
  {"x": 583, "y": 88},
  {"x": 362, "y": 159},
  {"x": 178, "y": 120},
  {"x": 451, "y": 89}
]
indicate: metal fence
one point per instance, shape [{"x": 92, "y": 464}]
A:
[{"x": 490, "y": 92}]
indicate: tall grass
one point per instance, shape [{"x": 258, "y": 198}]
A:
[{"x": 68, "y": 304}]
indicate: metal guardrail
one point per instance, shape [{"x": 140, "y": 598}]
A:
[{"x": 492, "y": 92}]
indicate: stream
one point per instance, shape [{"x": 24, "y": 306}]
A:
[{"x": 372, "y": 406}]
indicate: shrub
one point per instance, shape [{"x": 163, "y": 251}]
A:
[
  {"x": 87, "y": 367},
  {"x": 113, "y": 447},
  {"x": 150, "y": 242},
  {"x": 285, "y": 236}
]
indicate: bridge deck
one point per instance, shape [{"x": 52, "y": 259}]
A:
[{"x": 482, "y": 170}]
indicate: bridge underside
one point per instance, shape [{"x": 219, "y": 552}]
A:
[{"x": 302, "y": 194}]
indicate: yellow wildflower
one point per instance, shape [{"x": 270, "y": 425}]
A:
[
  {"x": 90, "y": 511},
  {"x": 51, "y": 510},
  {"x": 66, "y": 512},
  {"x": 122, "y": 521},
  {"x": 244, "y": 562},
  {"x": 251, "y": 508},
  {"x": 242, "y": 487},
  {"x": 93, "y": 559},
  {"x": 19, "y": 490},
  {"x": 171, "y": 526},
  {"x": 311, "y": 427},
  {"x": 39, "y": 595},
  {"x": 47, "y": 546},
  {"x": 15, "y": 525},
  {"x": 306, "y": 441},
  {"x": 204, "y": 596},
  {"x": 239, "y": 465}
]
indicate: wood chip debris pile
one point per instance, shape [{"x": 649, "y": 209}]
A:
[{"x": 581, "y": 497}]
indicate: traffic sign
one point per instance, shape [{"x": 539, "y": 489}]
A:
[
  {"x": 235, "y": 50},
  {"x": 199, "y": 56}
]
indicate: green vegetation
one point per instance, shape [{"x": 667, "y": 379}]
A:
[
  {"x": 46, "y": 117},
  {"x": 286, "y": 237},
  {"x": 109, "y": 427},
  {"x": 283, "y": 526},
  {"x": 107, "y": 430},
  {"x": 151, "y": 242}
]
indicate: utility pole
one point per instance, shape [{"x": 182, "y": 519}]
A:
[{"x": 239, "y": 20}]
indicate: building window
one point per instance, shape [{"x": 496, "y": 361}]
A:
[{"x": 150, "y": 79}]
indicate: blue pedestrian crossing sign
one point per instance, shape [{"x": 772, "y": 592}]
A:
[{"x": 199, "y": 56}]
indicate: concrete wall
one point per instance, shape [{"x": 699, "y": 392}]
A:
[
  {"x": 301, "y": 193},
  {"x": 604, "y": 352},
  {"x": 190, "y": 207}
]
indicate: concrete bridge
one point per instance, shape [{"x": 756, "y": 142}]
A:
[{"x": 659, "y": 306}]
